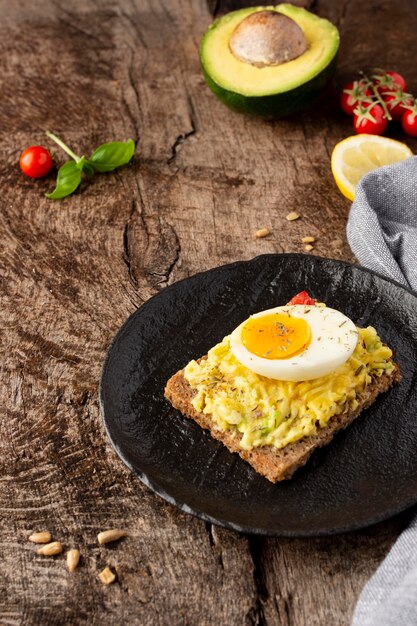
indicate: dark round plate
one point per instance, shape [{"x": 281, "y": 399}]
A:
[{"x": 366, "y": 474}]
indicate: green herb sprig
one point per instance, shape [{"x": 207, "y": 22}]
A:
[{"x": 105, "y": 158}]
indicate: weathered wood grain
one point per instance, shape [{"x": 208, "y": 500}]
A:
[{"x": 203, "y": 181}]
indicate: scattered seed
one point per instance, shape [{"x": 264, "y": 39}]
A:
[
  {"x": 73, "y": 557},
  {"x": 308, "y": 248},
  {"x": 292, "y": 216},
  {"x": 308, "y": 239},
  {"x": 50, "y": 549},
  {"x": 41, "y": 537},
  {"x": 262, "y": 232},
  {"x": 106, "y": 536},
  {"x": 337, "y": 243},
  {"x": 107, "y": 577}
]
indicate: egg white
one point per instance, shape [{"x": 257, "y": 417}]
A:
[{"x": 333, "y": 340}]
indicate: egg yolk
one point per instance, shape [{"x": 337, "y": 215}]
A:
[{"x": 276, "y": 336}]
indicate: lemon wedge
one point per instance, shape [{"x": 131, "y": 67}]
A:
[{"x": 357, "y": 155}]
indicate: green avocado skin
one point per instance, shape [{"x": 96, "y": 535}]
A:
[{"x": 276, "y": 105}]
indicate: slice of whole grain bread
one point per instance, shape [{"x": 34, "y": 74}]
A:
[{"x": 275, "y": 464}]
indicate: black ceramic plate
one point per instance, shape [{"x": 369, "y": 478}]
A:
[{"x": 367, "y": 473}]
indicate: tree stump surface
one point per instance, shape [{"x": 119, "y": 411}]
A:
[{"x": 204, "y": 179}]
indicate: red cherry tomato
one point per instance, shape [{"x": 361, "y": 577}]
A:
[
  {"x": 35, "y": 162},
  {"x": 370, "y": 120},
  {"x": 353, "y": 94},
  {"x": 302, "y": 298},
  {"x": 409, "y": 122},
  {"x": 398, "y": 80},
  {"x": 397, "y": 102},
  {"x": 389, "y": 80}
]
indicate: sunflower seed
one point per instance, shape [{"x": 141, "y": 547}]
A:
[
  {"x": 106, "y": 536},
  {"x": 50, "y": 549},
  {"x": 41, "y": 537},
  {"x": 107, "y": 576},
  {"x": 73, "y": 557},
  {"x": 262, "y": 232},
  {"x": 292, "y": 216}
]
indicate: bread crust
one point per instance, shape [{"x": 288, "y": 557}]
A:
[{"x": 276, "y": 464}]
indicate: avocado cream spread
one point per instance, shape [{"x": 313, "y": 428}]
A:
[{"x": 269, "y": 412}]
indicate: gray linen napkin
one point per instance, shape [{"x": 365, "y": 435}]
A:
[
  {"x": 382, "y": 232},
  {"x": 382, "y": 225}
]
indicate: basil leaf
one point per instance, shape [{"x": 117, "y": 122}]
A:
[
  {"x": 85, "y": 167},
  {"x": 81, "y": 162},
  {"x": 68, "y": 179},
  {"x": 109, "y": 156}
]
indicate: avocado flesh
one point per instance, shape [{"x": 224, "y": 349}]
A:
[{"x": 224, "y": 71}]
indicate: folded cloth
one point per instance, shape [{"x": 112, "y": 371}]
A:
[
  {"x": 390, "y": 596},
  {"x": 382, "y": 225},
  {"x": 382, "y": 232}
]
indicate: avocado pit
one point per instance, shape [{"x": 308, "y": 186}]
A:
[{"x": 267, "y": 38}]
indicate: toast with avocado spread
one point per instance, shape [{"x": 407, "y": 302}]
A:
[{"x": 279, "y": 437}]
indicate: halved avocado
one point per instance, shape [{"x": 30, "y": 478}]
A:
[{"x": 270, "y": 61}]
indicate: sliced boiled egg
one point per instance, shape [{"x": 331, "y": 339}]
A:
[{"x": 294, "y": 342}]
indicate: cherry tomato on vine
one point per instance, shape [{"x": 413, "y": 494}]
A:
[
  {"x": 397, "y": 102},
  {"x": 35, "y": 162},
  {"x": 398, "y": 80},
  {"x": 353, "y": 94},
  {"x": 409, "y": 121},
  {"x": 387, "y": 81},
  {"x": 370, "y": 120}
]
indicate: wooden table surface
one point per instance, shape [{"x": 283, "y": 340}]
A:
[{"x": 204, "y": 179}]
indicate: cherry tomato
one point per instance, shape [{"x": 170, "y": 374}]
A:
[
  {"x": 387, "y": 81},
  {"x": 35, "y": 162},
  {"x": 398, "y": 80},
  {"x": 409, "y": 122},
  {"x": 370, "y": 120},
  {"x": 302, "y": 298},
  {"x": 353, "y": 94},
  {"x": 397, "y": 102}
]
